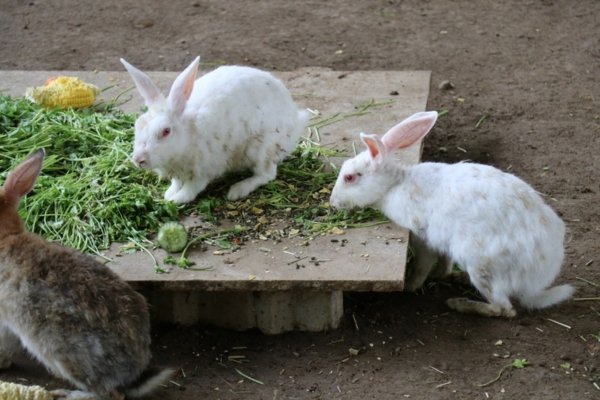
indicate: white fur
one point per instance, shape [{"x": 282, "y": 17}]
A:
[
  {"x": 233, "y": 118},
  {"x": 492, "y": 224}
]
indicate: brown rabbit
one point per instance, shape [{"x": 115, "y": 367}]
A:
[{"x": 70, "y": 311}]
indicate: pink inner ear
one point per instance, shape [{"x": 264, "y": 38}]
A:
[
  {"x": 183, "y": 86},
  {"x": 144, "y": 84},
  {"x": 372, "y": 146},
  {"x": 376, "y": 149},
  {"x": 409, "y": 131}
]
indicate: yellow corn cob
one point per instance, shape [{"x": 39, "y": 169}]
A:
[
  {"x": 64, "y": 92},
  {"x": 15, "y": 391}
]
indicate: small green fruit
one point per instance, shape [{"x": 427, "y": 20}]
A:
[{"x": 172, "y": 236}]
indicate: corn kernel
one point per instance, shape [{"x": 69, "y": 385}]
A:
[
  {"x": 15, "y": 391},
  {"x": 64, "y": 92}
]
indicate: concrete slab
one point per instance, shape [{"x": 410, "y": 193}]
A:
[{"x": 366, "y": 259}]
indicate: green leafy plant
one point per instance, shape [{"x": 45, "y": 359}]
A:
[{"x": 89, "y": 194}]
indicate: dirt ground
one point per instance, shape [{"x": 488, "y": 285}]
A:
[{"x": 525, "y": 99}]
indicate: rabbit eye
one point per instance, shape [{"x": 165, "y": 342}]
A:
[
  {"x": 165, "y": 132},
  {"x": 349, "y": 178}
]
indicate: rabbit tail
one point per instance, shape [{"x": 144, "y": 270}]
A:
[
  {"x": 148, "y": 381},
  {"x": 547, "y": 297}
]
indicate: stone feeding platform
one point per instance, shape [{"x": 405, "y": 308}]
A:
[{"x": 294, "y": 284}]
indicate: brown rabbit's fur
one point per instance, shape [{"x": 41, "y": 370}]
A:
[{"x": 69, "y": 310}]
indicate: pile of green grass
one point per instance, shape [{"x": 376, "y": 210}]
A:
[{"x": 90, "y": 195}]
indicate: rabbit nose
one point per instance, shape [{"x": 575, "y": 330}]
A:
[
  {"x": 139, "y": 160},
  {"x": 334, "y": 203}
]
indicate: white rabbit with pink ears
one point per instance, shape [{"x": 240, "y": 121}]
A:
[
  {"x": 231, "y": 119},
  {"x": 492, "y": 224}
]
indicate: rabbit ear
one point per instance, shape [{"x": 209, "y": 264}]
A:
[
  {"x": 376, "y": 149},
  {"x": 144, "y": 84},
  {"x": 182, "y": 87},
  {"x": 409, "y": 131},
  {"x": 21, "y": 180}
]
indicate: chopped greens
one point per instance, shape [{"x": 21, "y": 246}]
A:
[{"x": 89, "y": 194}]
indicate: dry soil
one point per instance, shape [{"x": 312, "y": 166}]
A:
[{"x": 524, "y": 97}]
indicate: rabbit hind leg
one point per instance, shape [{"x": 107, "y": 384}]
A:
[
  {"x": 468, "y": 306},
  {"x": 264, "y": 173},
  {"x": 499, "y": 304}
]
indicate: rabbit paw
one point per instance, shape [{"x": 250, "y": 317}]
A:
[
  {"x": 183, "y": 196},
  {"x": 467, "y": 306},
  {"x": 187, "y": 192},
  {"x": 239, "y": 191},
  {"x": 174, "y": 188},
  {"x": 243, "y": 188}
]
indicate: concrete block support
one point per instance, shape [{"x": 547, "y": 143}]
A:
[
  {"x": 270, "y": 312},
  {"x": 301, "y": 310}
]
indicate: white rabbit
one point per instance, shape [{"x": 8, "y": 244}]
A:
[
  {"x": 230, "y": 119},
  {"x": 492, "y": 224}
]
